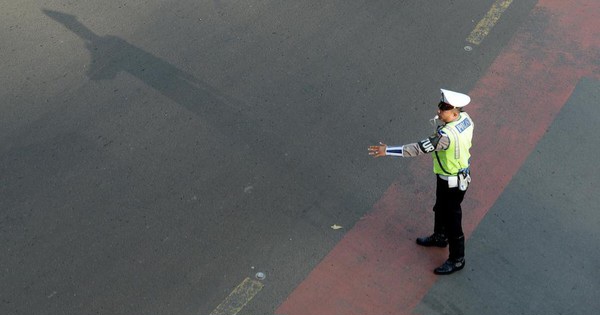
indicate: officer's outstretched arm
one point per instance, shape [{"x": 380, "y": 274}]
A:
[{"x": 438, "y": 142}]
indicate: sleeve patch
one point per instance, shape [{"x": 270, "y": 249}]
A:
[{"x": 428, "y": 145}]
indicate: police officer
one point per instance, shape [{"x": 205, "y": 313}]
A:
[{"x": 449, "y": 147}]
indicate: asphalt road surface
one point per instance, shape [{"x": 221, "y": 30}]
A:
[{"x": 154, "y": 154}]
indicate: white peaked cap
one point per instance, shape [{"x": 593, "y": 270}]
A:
[{"x": 454, "y": 98}]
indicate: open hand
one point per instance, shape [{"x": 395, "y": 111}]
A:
[{"x": 377, "y": 150}]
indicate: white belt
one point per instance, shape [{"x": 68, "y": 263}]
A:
[
  {"x": 452, "y": 180},
  {"x": 444, "y": 177}
]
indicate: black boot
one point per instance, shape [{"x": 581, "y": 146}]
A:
[
  {"x": 450, "y": 266},
  {"x": 457, "y": 248},
  {"x": 435, "y": 239}
]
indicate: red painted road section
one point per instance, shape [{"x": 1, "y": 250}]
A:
[{"x": 377, "y": 268}]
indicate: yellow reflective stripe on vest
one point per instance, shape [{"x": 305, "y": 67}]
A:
[{"x": 456, "y": 143}]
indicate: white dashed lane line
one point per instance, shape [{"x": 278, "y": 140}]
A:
[
  {"x": 488, "y": 21},
  {"x": 239, "y": 297}
]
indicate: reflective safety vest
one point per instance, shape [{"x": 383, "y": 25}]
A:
[{"x": 456, "y": 157}]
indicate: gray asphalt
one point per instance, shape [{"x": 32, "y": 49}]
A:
[{"x": 153, "y": 154}]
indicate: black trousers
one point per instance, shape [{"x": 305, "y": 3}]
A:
[{"x": 448, "y": 217}]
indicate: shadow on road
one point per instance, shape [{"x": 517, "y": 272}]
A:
[{"x": 111, "y": 55}]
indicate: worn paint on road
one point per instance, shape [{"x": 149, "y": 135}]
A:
[
  {"x": 486, "y": 24},
  {"x": 239, "y": 297}
]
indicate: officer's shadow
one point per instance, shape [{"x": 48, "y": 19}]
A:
[{"x": 111, "y": 55}]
